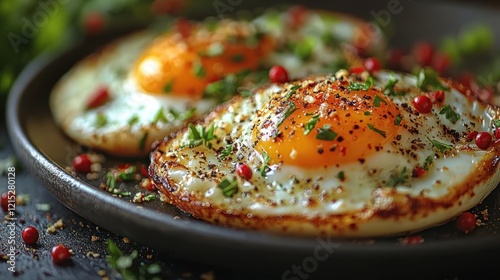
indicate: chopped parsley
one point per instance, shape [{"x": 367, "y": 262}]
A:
[
  {"x": 128, "y": 266},
  {"x": 428, "y": 162},
  {"x": 142, "y": 141},
  {"x": 377, "y": 100},
  {"x": 341, "y": 175},
  {"x": 496, "y": 123},
  {"x": 198, "y": 70},
  {"x": 449, "y": 113},
  {"x": 442, "y": 147},
  {"x": 182, "y": 116},
  {"x": 292, "y": 91},
  {"x": 133, "y": 120},
  {"x": 389, "y": 87},
  {"x": 398, "y": 178},
  {"x": 168, "y": 87},
  {"x": 361, "y": 86},
  {"x": 263, "y": 167},
  {"x": 381, "y": 132},
  {"x": 159, "y": 117},
  {"x": 304, "y": 49},
  {"x": 428, "y": 80},
  {"x": 229, "y": 187},
  {"x": 226, "y": 152},
  {"x": 110, "y": 181},
  {"x": 397, "y": 121},
  {"x": 325, "y": 133},
  {"x": 367, "y": 113},
  {"x": 101, "y": 121},
  {"x": 310, "y": 124},
  {"x": 126, "y": 174},
  {"x": 199, "y": 135},
  {"x": 288, "y": 111}
]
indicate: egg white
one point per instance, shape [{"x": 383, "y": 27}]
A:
[{"x": 314, "y": 201}]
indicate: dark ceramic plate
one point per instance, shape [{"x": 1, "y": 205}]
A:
[{"x": 46, "y": 151}]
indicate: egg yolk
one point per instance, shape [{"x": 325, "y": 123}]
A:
[
  {"x": 185, "y": 60},
  {"x": 328, "y": 128}
]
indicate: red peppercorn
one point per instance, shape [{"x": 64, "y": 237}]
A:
[
  {"x": 466, "y": 222},
  {"x": 423, "y": 104},
  {"x": 440, "y": 62},
  {"x": 98, "y": 98},
  {"x": 5, "y": 202},
  {"x": 418, "y": 172},
  {"x": 144, "y": 171},
  {"x": 94, "y": 23},
  {"x": 438, "y": 96},
  {"x": 82, "y": 164},
  {"x": 244, "y": 171},
  {"x": 423, "y": 53},
  {"x": 357, "y": 70},
  {"x": 483, "y": 140},
  {"x": 471, "y": 136},
  {"x": 497, "y": 133},
  {"x": 30, "y": 235},
  {"x": 297, "y": 15},
  {"x": 60, "y": 254},
  {"x": 278, "y": 74},
  {"x": 372, "y": 64}
]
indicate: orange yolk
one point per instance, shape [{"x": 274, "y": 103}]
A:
[
  {"x": 184, "y": 63},
  {"x": 327, "y": 129}
]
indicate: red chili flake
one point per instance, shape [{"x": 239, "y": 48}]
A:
[
  {"x": 144, "y": 171},
  {"x": 5, "y": 202},
  {"x": 94, "y": 23},
  {"x": 184, "y": 27},
  {"x": 30, "y": 235},
  {"x": 82, "y": 164},
  {"x": 357, "y": 70},
  {"x": 372, "y": 64},
  {"x": 418, "y": 172},
  {"x": 244, "y": 171},
  {"x": 438, "y": 96},
  {"x": 423, "y": 53},
  {"x": 413, "y": 239},
  {"x": 440, "y": 62},
  {"x": 297, "y": 15},
  {"x": 123, "y": 166},
  {"x": 483, "y": 140},
  {"x": 60, "y": 254},
  {"x": 98, "y": 98},
  {"x": 278, "y": 74},
  {"x": 471, "y": 135},
  {"x": 423, "y": 104},
  {"x": 466, "y": 222}
]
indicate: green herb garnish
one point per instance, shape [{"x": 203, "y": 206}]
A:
[
  {"x": 198, "y": 135},
  {"x": 325, "y": 133},
  {"x": 168, "y": 87},
  {"x": 361, "y": 86},
  {"x": 198, "y": 70},
  {"x": 226, "y": 152},
  {"x": 377, "y": 100},
  {"x": 341, "y": 175},
  {"x": 142, "y": 141},
  {"x": 389, "y": 87},
  {"x": 184, "y": 116},
  {"x": 263, "y": 167},
  {"x": 496, "y": 123},
  {"x": 127, "y": 174},
  {"x": 133, "y": 120},
  {"x": 442, "y": 147},
  {"x": 381, "y": 132},
  {"x": 288, "y": 111},
  {"x": 127, "y": 265},
  {"x": 397, "y": 121},
  {"x": 428, "y": 80},
  {"x": 310, "y": 124},
  {"x": 101, "y": 121},
  {"x": 159, "y": 116},
  {"x": 292, "y": 91},
  {"x": 398, "y": 178},
  {"x": 449, "y": 113},
  {"x": 304, "y": 48},
  {"x": 229, "y": 187},
  {"x": 110, "y": 181},
  {"x": 367, "y": 113},
  {"x": 428, "y": 162}
]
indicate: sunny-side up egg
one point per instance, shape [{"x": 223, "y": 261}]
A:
[
  {"x": 147, "y": 85},
  {"x": 342, "y": 155}
]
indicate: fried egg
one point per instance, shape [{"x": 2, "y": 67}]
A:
[
  {"x": 145, "y": 86},
  {"x": 344, "y": 155}
]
